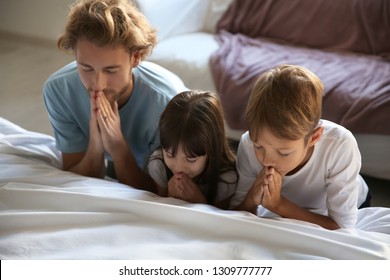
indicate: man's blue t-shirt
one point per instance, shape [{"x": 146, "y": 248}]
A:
[{"x": 68, "y": 104}]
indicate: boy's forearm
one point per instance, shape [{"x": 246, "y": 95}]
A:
[
  {"x": 288, "y": 209},
  {"x": 248, "y": 206}
]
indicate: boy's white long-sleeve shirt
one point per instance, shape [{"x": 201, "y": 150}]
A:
[{"x": 328, "y": 184}]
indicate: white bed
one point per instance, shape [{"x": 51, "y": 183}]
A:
[{"x": 46, "y": 213}]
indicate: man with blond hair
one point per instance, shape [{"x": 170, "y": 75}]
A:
[{"x": 105, "y": 106}]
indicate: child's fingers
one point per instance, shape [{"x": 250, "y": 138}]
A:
[
  {"x": 264, "y": 192},
  {"x": 260, "y": 177},
  {"x": 271, "y": 184},
  {"x": 270, "y": 171},
  {"x": 267, "y": 179}
]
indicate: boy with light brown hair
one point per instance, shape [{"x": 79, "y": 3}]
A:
[{"x": 291, "y": 162}]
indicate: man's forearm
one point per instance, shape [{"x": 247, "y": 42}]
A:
[
  {"x": 91, "y": 165},
  {"x": 128, "y": 172}
]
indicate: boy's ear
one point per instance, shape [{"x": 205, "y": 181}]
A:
[{"x": 317, "y": 133}]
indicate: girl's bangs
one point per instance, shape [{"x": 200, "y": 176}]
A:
[{"x": 192, "y": 143}]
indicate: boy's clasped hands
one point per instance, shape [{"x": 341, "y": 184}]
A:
[{"x": 266, "y": 189}]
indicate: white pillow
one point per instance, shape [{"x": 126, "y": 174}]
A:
[
  {"x": 174, "y": 17},
  {"x": 215, "y": 11},
  {"x": 188, "y": 57}
]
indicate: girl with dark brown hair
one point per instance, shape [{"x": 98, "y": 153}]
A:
[{"x": 194, "y": 162}]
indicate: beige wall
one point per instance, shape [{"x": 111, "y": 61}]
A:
[{"x": 42, "y": 19}]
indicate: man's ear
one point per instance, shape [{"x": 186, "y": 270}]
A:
[
  {"x": 316, "y": 136},
  {"x": 136, "y": 58}
]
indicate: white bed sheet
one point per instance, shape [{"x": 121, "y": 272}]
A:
[{"x": 46, "y": 213}]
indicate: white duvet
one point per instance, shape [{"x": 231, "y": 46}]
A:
[{"x": 46, "y": 213}]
